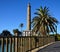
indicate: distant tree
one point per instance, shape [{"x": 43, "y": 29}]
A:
[
  {"x": 17, "y": 32},
  {"x": 21, "y": 25},
  {"x": 0, "y": 34},
  {"x": 6, "y": 33}
]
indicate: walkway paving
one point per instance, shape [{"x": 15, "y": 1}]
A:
[{"x": 52, "y": 48}]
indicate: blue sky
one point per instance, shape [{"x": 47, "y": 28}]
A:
[{"x": 14, "y": 12}]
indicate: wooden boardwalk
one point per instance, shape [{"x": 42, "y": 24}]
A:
[{"x": 52, "y": 48}]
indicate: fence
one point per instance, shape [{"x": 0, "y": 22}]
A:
[{"x": 23, "y": 43}]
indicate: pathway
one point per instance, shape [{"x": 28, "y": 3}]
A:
[{"x": 52, "y": 48}]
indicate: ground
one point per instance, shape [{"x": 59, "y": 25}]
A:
[{"x": 52, "y": 48}]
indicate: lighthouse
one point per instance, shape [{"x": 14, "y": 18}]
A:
[
  {"x": 28, "y": 31},
  {"x": 29, "y": 17}
]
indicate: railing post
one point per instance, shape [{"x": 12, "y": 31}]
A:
[
  {"x": 6, "y": 44},
  {"x": 2, "y": 44},
  {"x": 10, "y": 44},
  {"x": 16, "y": 43}
]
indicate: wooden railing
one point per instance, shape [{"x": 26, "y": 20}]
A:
[{"x": 23, "y": 43}]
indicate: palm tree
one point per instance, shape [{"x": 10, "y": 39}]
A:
[
  {"x": 43, "y": 22},
  {"x": 17, "y": 32},
  {"x": 21, "y": 25}
]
